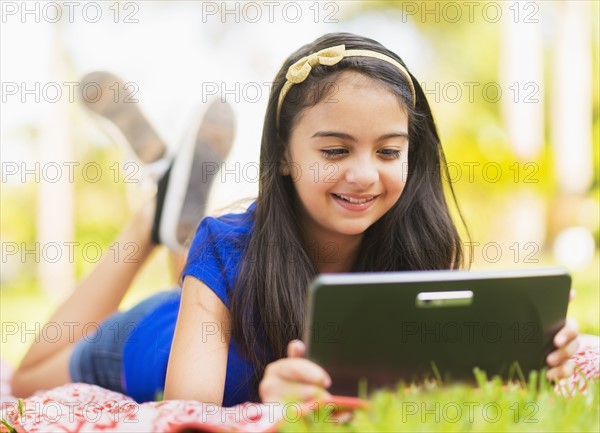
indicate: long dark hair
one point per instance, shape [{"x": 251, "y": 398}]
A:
[{"x": 417, "y": 233}]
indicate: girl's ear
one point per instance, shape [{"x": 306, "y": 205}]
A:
[{"x": 284, "y": 166}]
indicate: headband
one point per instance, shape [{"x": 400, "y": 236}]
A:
[{"x": 299, "y": 71}]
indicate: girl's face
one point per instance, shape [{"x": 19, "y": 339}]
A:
[{"x": 348, "y": 157}]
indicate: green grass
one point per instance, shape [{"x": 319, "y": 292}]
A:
[{"x": 491, "y": 406}]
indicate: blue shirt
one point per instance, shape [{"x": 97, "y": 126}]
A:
[{"x": 214, "y": 258}]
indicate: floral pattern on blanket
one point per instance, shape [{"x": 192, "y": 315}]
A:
[{"x": 80, "y": 407}]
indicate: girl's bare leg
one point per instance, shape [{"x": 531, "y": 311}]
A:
[{"x": 46, "y": 364}]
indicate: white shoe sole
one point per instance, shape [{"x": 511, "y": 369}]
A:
[
  {"x": 120, "y": 119},
  {"x": 208, "y": 141}
]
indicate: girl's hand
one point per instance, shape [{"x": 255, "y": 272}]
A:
[
  {"x": 294, "y": 378},
  {"x": 567, "y": 342}
]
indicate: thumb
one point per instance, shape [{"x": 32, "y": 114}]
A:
[{"x": 296, "y": 349}]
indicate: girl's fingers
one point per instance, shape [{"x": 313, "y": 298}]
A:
[
  {"x": 296, "y": 349},
  {"x": 294, "y": 378},
  {"x": 305, "y": 371},
  {"x": 562, "y": 371},
  {"x": 303, "y": 392},
  {"x": 567, "y": 333},
  {"x": 277, "y": 390},
  {"x": 297, "y": 379},
  {"x": 561, "y": 355},
  {"x": 571, "y": 295},
  {"x": 299, "y": 370}
]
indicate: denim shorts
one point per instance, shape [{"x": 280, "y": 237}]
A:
[{"x": 98, "y": 357}]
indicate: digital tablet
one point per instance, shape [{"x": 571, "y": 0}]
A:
[{"x": 408, "y": 326}]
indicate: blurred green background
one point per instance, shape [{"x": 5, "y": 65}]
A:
[{"x": 524, "y": 163}]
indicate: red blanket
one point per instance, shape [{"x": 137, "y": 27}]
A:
[{"x": 81, "y": 407}]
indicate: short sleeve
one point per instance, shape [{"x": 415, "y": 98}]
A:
[
  {"x": 216, "y": 251},
  {"x": 206, "y": 258}
]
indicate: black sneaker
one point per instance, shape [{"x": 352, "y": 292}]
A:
[
  {"x": 116, "y": 109},
  {"x": 183, "y": 190}
]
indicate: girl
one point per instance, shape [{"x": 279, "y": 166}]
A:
[{"x": 350, "y": 180}]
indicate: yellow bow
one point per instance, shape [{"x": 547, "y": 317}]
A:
[{"x": 298, "y": 72}]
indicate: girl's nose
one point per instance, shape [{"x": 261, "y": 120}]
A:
[{"x": 362, "y": 172}]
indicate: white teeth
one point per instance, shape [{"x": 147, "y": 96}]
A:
[{"x": 354, "y": 200}]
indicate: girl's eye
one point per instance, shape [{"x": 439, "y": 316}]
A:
[
  {"x": 333, "y": 153},
  {"x": 390, "y": 153}
]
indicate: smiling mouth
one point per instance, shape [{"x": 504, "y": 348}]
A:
[{"x": 355, "y": 200}]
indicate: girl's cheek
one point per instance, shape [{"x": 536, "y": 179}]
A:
[{"x": 396, "y": 177}]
